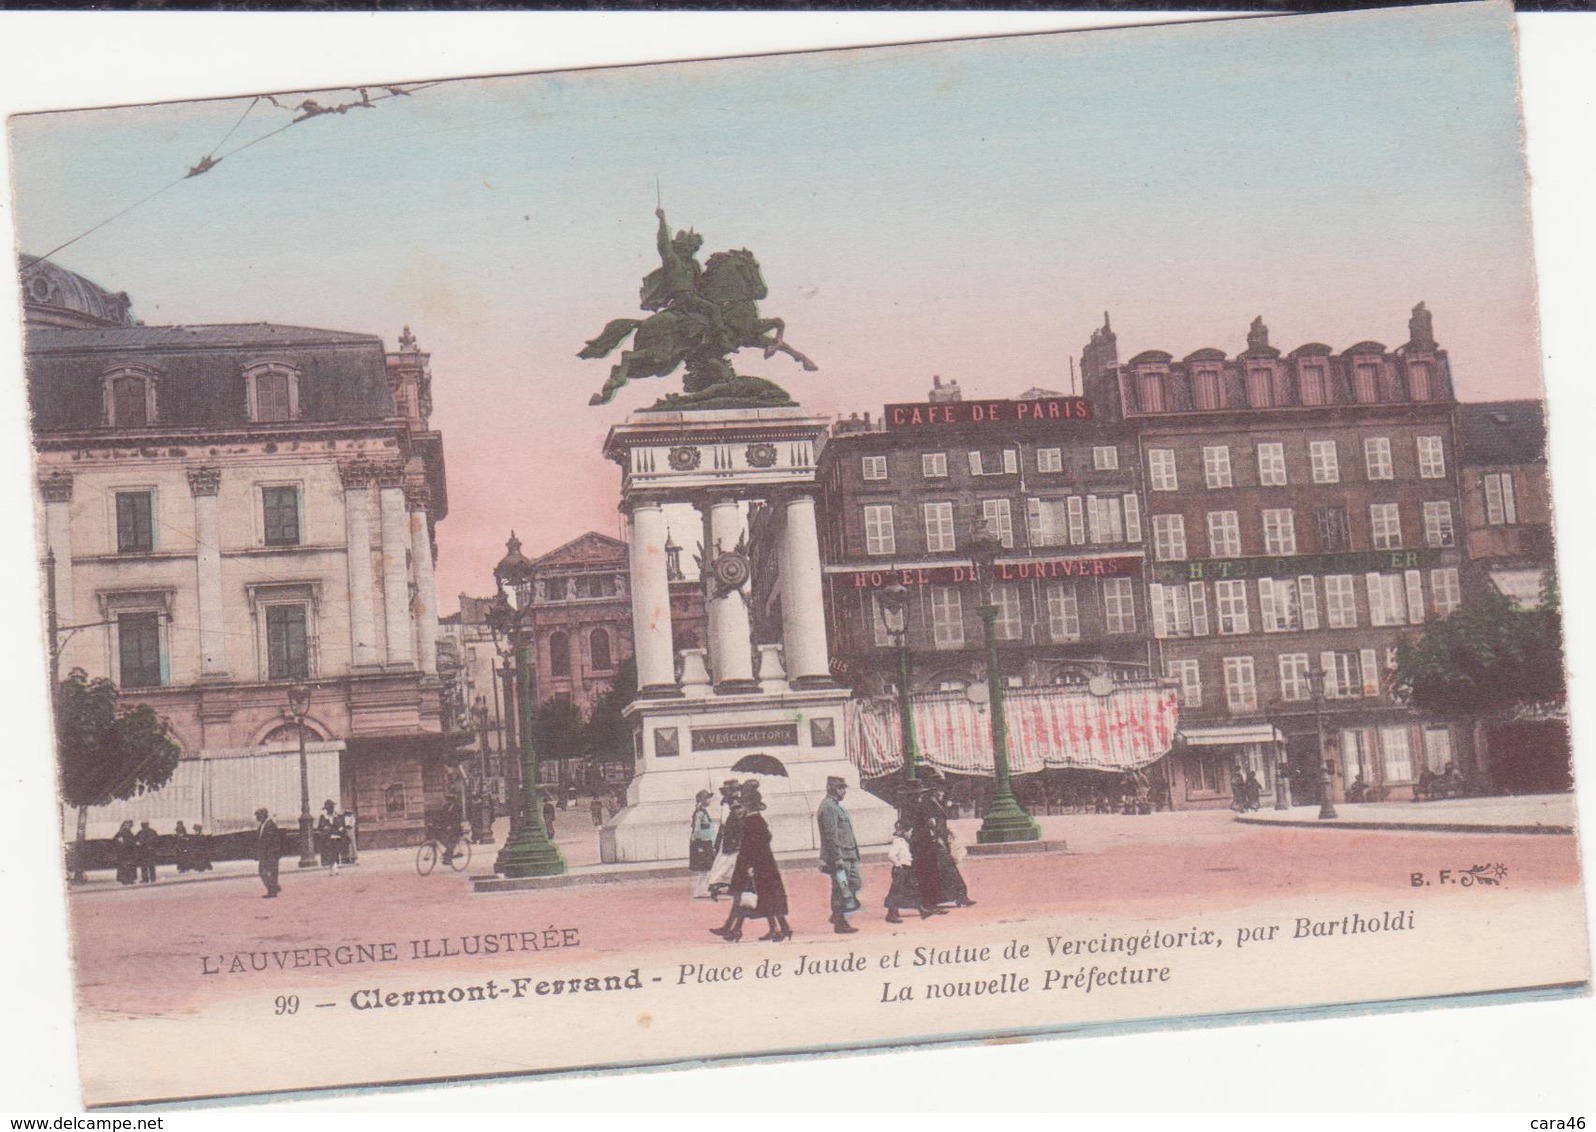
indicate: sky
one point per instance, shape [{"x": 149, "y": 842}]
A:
[{"x": 963, "y": 209}]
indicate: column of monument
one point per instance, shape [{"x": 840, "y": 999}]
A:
[
  {"x": 730, "y": 635},
  {"x": 652, "y": 641},
  {"x": 803, "y": 608}
]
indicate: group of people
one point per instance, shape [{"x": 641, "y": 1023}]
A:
[
  {"x": 730, "y": 854},
  {"x": 925, "y": 855},
  {"x": 1245, "y": 791},
  {"x": 733, "y": 856},
  {"x": 333, "y": 840},
  {"x": 135, "y": 854}
]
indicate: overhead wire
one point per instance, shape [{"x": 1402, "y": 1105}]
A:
[{"x": 307, "y": 109}]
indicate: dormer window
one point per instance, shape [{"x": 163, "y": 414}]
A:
[
  {"x": 129, "y": 393},
  {"x": 273, "y": 390}
]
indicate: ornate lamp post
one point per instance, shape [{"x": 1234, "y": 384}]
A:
[
  {"x": 299, "y": 708},
  {"x": 1327, "y": 806},
  {"x": 527, "y": 852},
  {"x": 894, "y": 609},
  {"x": 1006, "y": 820},
  {"x": 482, "y": 822}
]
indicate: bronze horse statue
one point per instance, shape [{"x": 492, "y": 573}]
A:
[{"x": 700, "y": 333}]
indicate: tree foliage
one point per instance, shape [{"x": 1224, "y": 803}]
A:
[
  {"x": 609, "y": 735},
  {"x": 108, "y": 753},
  {"x": 1488, "y": 657},
  {"x": 558, "y": 730}
]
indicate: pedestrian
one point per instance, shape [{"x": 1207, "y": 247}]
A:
[
  {"x": 727, "y": 841},
  {"x": 1254, "y": 790},
  {"x": 950, "y": 851},
  {"x": 839, "y": 855},
  {"x": 904, "y": 893},
  {"x": 1238, "y": 791},
  {"x": 548, "y": 815},
  {"x": 268, "y": 847},
  {"x": 124, "y": 854},
  {"x": 331, "y": 835},
  {"x": 351, "y": 850},
  {"x": 181, "y": 847},
  {"x": 598, "y": 810},
  {"x": 199, "y": 853},
  {"x": 701, "y": 844},
  {"x": 756, "y": 883},
  {"x": 926, "y": 853},
  {"x": 144, "y": 843}
]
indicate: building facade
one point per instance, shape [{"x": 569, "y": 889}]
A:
[
  {"x": 1303, "y": 517},
  {"x": 1507, "y": 508},
  {"x": 1058, "y": 487},
  {"x": 582, "y": 619},
  {"x": 232, "y": 510}
]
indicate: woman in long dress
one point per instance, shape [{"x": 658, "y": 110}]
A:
[
  {"x": 949, "y": 852},
  {"x": 124, "y": 853},
  {"x": 756, "y": 883},
  {"x": 701, "y": 845},
  {"x": 727, "y": 841}
]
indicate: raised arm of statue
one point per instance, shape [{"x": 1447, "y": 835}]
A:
[{"x": 662, "y": 239}]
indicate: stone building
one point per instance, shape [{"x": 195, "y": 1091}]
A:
[
  {"x": 1507, "y": 509},
  {"x": 232, "y": 510},
  {"x": 1303, "y": 516},
  {"x": 1507, "y": 502},
  {"x": 1060, "y": 488},
  {"x": 582, "y": 619}
]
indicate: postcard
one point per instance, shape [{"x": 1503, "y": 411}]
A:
[{"x": 802, "y": 553}]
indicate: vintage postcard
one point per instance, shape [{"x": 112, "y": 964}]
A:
[{"x": 802, "y": 553}]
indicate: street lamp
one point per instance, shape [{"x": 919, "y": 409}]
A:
[
  {"x": 1006, "y": 820},
  {"x": 1327, "y": 806},
  {"x": 299, "y": 708},
  {"x": 528, "y": 852},
  {"x": 893, "y": 605},
  {"x": 482, "y": 822}
]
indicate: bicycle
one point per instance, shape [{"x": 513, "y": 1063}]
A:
[{"x": 433, "y": 850}]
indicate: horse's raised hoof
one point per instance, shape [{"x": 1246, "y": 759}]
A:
[
  {"x": 598, "y": 399},
  {"x": 810, "y": 367}
]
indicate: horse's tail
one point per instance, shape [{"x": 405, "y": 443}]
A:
[{"x": 613, "y": 334}]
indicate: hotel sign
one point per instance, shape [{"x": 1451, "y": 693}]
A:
[
  {"x": 1045, "y": 569},
  {"x": 1055, "y": 410},
  {"x": 1361, "y": 562},
  {"x": 754, "y": 735}
]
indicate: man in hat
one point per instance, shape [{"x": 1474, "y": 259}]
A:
[
  {"x": 267, "y": 847},
  {"x": 839, "y": 855}
]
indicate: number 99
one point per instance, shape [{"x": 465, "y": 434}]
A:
[{"x": 287, "y": 1004}]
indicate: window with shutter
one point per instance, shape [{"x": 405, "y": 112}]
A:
[{"x": 1308, "y": 601}]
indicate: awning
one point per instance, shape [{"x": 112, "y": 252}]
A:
[{"x": 1224, "y": 734}]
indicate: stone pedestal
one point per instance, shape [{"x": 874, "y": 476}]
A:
[
  {"x": 791, "y": 743},
  {"x": 782, "y": 725}
]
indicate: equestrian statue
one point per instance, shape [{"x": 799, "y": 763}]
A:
[{"x": 701, "y": 316}]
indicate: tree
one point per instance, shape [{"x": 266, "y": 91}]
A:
[
  {"x": 609, "y": 734},
  {"x": 107, "y": 753},
  {"x": 1488, "y": 657},
  {"x": 557, "y": 728}
]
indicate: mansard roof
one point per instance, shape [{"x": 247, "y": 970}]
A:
[
  {"x": 1502, "y": 432},
  {"x": 201, "y": 369}
]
